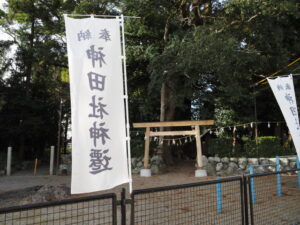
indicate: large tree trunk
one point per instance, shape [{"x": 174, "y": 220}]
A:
[
  {"x": 167, "y": 113},
  {"x": 167, "y": 110},
  {"x": 167, "y": 106}
]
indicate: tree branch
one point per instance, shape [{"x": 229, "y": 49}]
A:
[
  {"x": 166, "y": 32},
  {"x": 239, "y": 22},
  {"x": 60, "y": 65}
]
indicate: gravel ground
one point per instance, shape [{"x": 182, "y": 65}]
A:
[
  {"x": 22, "y": 184},
  {"x": 190, "y": 205}
]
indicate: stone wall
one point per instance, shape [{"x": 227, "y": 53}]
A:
[
  {"x": 225, "y": 166},
  {"x": 156, "y": 164},
  {"x": 215, "y": 166}
]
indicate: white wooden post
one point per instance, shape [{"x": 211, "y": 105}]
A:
[
  {"x": 8, "y": 167},
  {"x": 199, "y": 149},
  {"x": 200, "y": 172},
  {"x": 146, "y": 171},
  {"x": 147, "y": 148},
  {"x": 51, "y": 160}
]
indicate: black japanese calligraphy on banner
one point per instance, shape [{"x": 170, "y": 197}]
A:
[{"x": 97, "y": 83}]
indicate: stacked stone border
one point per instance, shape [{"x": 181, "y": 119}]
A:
[{"x": 215, "y": 166}]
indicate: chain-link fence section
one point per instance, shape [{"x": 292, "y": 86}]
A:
[
  {"x": 266, "y": 198},
  {"x": 210, "y": 202},
  {"x": 274, "y": 198},
  {"x": 96, "y": 210}
]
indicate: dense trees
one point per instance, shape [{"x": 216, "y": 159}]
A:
[
  {"x": 186, "y": 59},
  {"x": 34, "y": 94},
  {"x": 33, "y": 87},
  {"x": 209, "y": 53},
  {"x": 205, "y": 56},
  {"x": 218, "y": 59}
]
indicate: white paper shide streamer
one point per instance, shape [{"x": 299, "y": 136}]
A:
[
  {"x": 99, "y": 159},
  {"x": 283, "y": 89}
]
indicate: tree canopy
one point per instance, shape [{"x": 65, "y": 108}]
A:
[{"x": 186, "y": 59}]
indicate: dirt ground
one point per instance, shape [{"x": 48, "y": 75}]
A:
[
  {"x": 178, "y": 206},
  {"x": 20, "y": 184}
]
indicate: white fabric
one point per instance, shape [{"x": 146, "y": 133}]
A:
[
  {"x": 110, "y": 168},
  {"x": 283, "y": 89}
]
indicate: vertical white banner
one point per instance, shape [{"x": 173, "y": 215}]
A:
[
  {"x": 283, "y": 89},
  {"x": 99, "y": 158}
]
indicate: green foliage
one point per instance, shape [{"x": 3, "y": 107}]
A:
[
  {"x": 268, "y": 146},
  {"x": 220, "y": 146},
  {"x": 37, "y": 78},
  {"x": 224, "y": 117},
  {"x": 65, "y": 76},
  {"x": 137, "y": 147},
  {"x": 215, "y": 63},
  {"x": 143, "y": 43}
]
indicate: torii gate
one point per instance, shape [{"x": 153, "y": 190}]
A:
[{"x": 148, "y": 133}]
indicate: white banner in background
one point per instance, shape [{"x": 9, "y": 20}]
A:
[
  {"x": 99, "y": 158},
  {"x": 283, "y": 89}
]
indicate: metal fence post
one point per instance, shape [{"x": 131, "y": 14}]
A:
[
  {"x": 114, "y": 208},
  {"x": 123, "y": 206},
  {"x": 298, "y": 172},
  {"x": 219, "y": 196},
  {"x": 253, "y": 195},
  {"x": 279, "y": 192},
  {"x": 51, "y": 160},
  {"x": 249, "y": 181},
  {"x": 244, "y": 200},
  {"x": 8, "y": 165},
  {"x": 132, "y": 209}
]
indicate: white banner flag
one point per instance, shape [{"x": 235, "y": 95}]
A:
[
  {"x": 283, "y": 89},
  {"x": 99, "y": 159}
]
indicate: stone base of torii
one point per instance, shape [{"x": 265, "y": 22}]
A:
[{"x": 195, "y": 125}]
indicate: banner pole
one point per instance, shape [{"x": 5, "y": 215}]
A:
[
  {"x": 104, "y": 16},
  {"x": 126, "y": 105}
]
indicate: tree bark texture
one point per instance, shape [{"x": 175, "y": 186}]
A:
[{"x": 167, "y": 112}]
